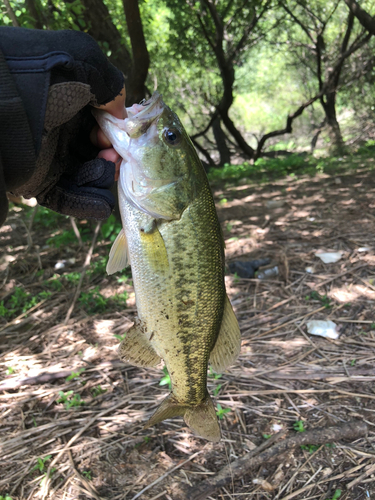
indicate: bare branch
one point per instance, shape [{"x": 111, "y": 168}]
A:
[
  {"x": 237, "y": 469},
  {"x": 288, "y": 127},
  {"x": 367, "y": 21},
  {"x": 300, "y": 23}
]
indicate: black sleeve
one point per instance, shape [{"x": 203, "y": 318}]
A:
[{"x": 16, "y": 143}]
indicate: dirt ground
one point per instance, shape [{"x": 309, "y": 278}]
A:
[{"x": 90, "y": 443}]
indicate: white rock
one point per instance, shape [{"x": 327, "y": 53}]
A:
[
  {"x": 323, "y": 328},
  {"x": 329, "y": 257}
]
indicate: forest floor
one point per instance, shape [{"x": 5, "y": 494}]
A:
[{"x": 72, "y": 413}]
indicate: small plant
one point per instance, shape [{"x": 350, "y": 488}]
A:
[
  {"x": 6, "y": 497},
  {"x": 353, "y": 362},
  {"x": 10, "y": 370},
  {"x": 62, "y": 239},
  {"x": 97, "y": 391},
  {"x": 266, "y": 436},
  {"x": 93, "y": 301},
  {"x": 299, "y": 426},
  {"x": 21, "y": 301},
  {"x": 74, "y": 375},
  {"x": 323, "y": 299},
  {"x": 214, "y": 375},
  {"x": 72, "y": 278},
  {"x": 110, "y": 228},
  {"x": 166, "y": 380},
  {"x": 87, "y": 474},
  {"x": 120, "y": 337},
  {"x": 41, "y": 464},
  {"x": 217, "y": 389},
  {"x": 336, "y": 495},
  {"x": 311, "y": 448},
  {"x": 70, "y": 399},
  {"x": 221, "y": 412}
]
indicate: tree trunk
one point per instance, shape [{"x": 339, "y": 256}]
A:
[
  {"x": 11, "y": 14},
  {"x": 33, "y": 8},
  {"x": 102, "y": 29},
  {"x": 329, "y": 106},
  {"x": 367, "y": 21},
  {"x": 141, "y": 60},
  {"x": 221, "y": 144}
]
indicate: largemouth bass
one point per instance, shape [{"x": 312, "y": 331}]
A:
[{"x": 172, "y": 239}]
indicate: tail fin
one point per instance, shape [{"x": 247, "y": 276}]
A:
[{"x": 201, "y": 419}]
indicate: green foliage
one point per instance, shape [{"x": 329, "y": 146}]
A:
[
  {"x": 213, "y": 374},
  {"x": 72, "y": 277},
  {"x": 87, "y": 474},
  {"x": 110, "y": 228},
  {"x": 266, "y": 436},
  {"x": 41, "y": 464},
  {"x": 217, "y": 389},
  {"x": 20, "y": 302},
  {"x": 299, "y": 426},
  {"x": 70, "y": 400},
  {"x": 221, "y": 412},
  {"x": 323, "y": 299},
  {"x": 75, "y": 375},
  {"x": 10, "y": 370},
  {"x": 120, "y": 337},
  {"x": 311, "y": 448},
  {"x": 93, "y": 301},
  {"x": 98, "y": 266},
  {"x": 66, "y": 238},
  {"x": 5, "y": 497},
  {"x": 166, "y": 380},
  {"x": 97, "y": 391},
  {"x": 44, "y": 217},
  {"x": 336, "y": 495}
]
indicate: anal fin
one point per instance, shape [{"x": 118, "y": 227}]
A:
[
  {"x": 118, "y": 255},
  {"x": 228, "y": 343},
  {"x": 136, "y": 349}
]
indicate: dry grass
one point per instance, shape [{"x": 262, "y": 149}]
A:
[{"x": 100, "y": 450}]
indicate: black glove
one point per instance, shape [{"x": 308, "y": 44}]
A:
[{"x": 55, "y": 76}]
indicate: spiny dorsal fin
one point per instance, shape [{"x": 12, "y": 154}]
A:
[
  {"x": 118, "y": 256},
  {"x": 228, "y": 343}
]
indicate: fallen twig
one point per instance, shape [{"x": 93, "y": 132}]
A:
[
  {"x": 244, "y": 465},
  {"x": 43, "y": 378}
]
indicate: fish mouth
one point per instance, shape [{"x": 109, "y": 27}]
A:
[{"x": 140, "y": 116}]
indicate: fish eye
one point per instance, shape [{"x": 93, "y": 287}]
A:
[{"x": 172, "y": 136}]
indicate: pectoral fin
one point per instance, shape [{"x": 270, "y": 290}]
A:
[
  {"x": 136, "y": 348},
  {"x": 118, "y": 256},
  {"x": 228, "y": 343}
]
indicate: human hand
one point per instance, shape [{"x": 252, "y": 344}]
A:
[{"x": 97, "y": 136}]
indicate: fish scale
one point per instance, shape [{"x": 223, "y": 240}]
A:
[{"x": 181, "y": 301}]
